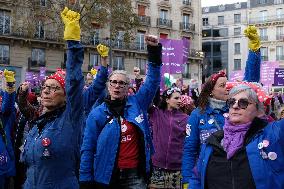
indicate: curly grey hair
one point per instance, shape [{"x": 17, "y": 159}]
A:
[{"x": 251, "y": 95}]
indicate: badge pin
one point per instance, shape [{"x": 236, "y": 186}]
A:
[
  {"x": 272, "y": 156},
  {"x": 210, "y": 121},
  {"x": 201, "y": 121},
  {"x": 45, "y": 142},
  {"x": 3, "y": 159},
  {"x": 265, "y": 143},
  {"x": 46, "y": 153},
  {"x": 260, "y": 145},
  {"x": 263, "y": 155},
  {"x": 226, "y": 115}
]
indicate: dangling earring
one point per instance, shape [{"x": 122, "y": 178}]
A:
[{"x": 211, "y": 95}]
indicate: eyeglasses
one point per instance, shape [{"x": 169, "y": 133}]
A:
[
  {"x": 50, "y": 88},
  {"x": 136, "y": 70},
  {"x": 172, "y": 90},
  {"x": 114, "y": 83},
  {"x": 242, "y": 103}
]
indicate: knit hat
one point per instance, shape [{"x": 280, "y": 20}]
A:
[
  {"x": 59, "y": 76},
  {"x": 186, "y": 100}
]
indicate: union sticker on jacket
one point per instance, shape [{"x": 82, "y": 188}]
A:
[
  {"x": 188, "y": 130},
  {"x": 139, "y": 118}
]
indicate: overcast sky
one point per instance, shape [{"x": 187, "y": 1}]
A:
[{"x": 207, "y": 3}]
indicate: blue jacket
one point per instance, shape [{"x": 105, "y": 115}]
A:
[
  {"x": 58, "y": 169},
  {"x": 266, "y": 173},
  {"x": 200, "y": 126},
  {"x": 8, "y": 116},
  {"x": 101, "y": 140},
  {"x": 95, "y": 90}
]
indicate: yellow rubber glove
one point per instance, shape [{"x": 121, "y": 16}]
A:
[
  {"x": 93, "y": 71},
  {"x": 185, "y": 186},
  {"x": 103, "y": 50},
  {"x": 9, "y": 76},
  {"x": 72, "y": 29},
  {"x": 254, "y": 38}
]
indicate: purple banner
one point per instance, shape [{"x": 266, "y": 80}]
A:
[
  {"x": 267, "y": 74},
  {"x": 279, "y": 77},
  {"x": 42, "y": 72},
  {"x": 174, "y": 55},
  {"x": 237, "y": 75}
]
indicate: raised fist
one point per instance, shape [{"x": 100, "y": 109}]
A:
[
  {"x": 9, "y": 76},
  {"x": 254, "y": 38},
  {"x": 72, "y": 29},
  {"x": 103, "y": 50},
  {"x": 151, "y": 40}
]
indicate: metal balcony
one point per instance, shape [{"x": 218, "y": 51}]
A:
[
  {"x": 264, "y": 38},
  {"x": 164, "y": 23},
  {"x": 187, "y": 27},
  {"x": 145, "y": 20}
]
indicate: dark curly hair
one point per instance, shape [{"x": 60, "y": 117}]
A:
[{"x": 163, "y": 102}]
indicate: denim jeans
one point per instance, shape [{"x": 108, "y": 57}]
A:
[{"x": 125, "y": 179}]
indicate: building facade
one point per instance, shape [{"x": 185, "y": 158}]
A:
[
  {"x": 45, "y": 48},
  {"x": 224, "y": 43}
]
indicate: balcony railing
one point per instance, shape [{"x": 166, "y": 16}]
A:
[
  {"x": 161, "y": 22},
  {"x": 186, "y": 2},
  {"x": 187, "y": 27},
  {"x": 261, "y": 20},
  {"x": 264, "y": 58},
  {"x": 279, "y": 57},
  {"x": 145, "y": 20},
  {"x": 280, "y": 37},
  {"x": 264, "y": 38}
]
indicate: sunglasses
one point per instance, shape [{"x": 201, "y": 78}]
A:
[
  {"x": 136, "y": 70},
  {"x": 242, "y": 103}
]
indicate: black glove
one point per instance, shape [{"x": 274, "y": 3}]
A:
[
  {"x": 87, "y": 185},
  {"x": 155, "y": 54}
]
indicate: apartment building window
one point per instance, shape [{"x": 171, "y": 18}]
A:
[
  {"x": 141, "y": 64},
  {"x": 205, "y": 22},
  {"x": 141, "y": 41},
  {"x": 279, "y": 32},
  {"x": 43, "y": 3},
  {"x": 39, "y": 33},
  {"x": 279, "y": 13},
  {"x": 4, "y": 54},
  {"x": 186, "y": 2},
  {"x": 185, "y": 18},
  {"x": 119, "y": 40},
  {"x": 186, "y": 71},
  {"x": 94, "y": 61},
  {"x": 96, "y": 37},
  {"x": 164, "y": 14},
  {"x": 220, "y": 20},
  {"x": 263, "y": 15},
  {"x": 38, "y": 57},
  {"x": 163, "y": 35},
  {"x": 264, "y": 53},
  {"x": 263, "y": 34},
  {"x": 118, "y": 63},
  {"x": 237, "y": 48},
  {"x": 5, "y": 22},
  {"x": 141, "y": 10},
  {"x": 237, "y": 18},
  {"x": 279, "y": 53},
  {"x": 237, "y": 31},
  {"x": 262, "y": 1},
  {"x": 276, "y": 2},
  {"x": 237, "y": 64}
]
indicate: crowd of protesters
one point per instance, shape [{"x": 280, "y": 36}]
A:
[{"x": 106, "y": 132}]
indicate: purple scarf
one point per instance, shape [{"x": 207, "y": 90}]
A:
[{"x": 234, "y": 136}]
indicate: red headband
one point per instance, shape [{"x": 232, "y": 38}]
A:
[
  {"x": 261, "y": 94},
  {"x": 59, "y": 76},
  {"x": 216, "y": 76}
]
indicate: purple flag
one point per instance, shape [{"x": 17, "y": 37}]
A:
[
  {"x": 279, "y": 77},
  {"x": 237, "y": 75}
]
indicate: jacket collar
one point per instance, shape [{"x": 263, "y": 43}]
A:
[{"x": 257, "y": 126}]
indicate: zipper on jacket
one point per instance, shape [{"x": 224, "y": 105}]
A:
[{"x": 169, "y": 139}]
